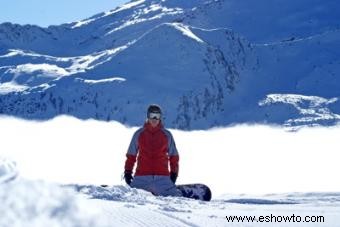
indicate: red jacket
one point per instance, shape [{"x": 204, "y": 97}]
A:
[{"x": 154, "y": 149}]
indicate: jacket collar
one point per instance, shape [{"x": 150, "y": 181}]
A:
[{"x": 148, "y": 127}]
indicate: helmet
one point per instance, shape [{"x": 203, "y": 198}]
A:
[{"x": 153, "y": 108}]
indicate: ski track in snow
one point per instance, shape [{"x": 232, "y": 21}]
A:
[
  {"x": 156, "y": 211},
  {"x": 136, "y": 216},
  {"x": 132, "y": 207}
]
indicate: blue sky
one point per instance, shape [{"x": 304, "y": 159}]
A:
[{"x": 50, "y": 12}]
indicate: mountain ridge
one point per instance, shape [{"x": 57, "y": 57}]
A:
[{"x": 202, "y": 74}]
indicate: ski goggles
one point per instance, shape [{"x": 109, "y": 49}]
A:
[{"x": 156, "y": 116}]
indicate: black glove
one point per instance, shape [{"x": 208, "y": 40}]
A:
[
  {"x": 128, "y": 176},
  {"x": 173, "y": 177}
]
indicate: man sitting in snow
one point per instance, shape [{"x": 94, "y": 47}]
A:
[{"x": 154, "y": 149}]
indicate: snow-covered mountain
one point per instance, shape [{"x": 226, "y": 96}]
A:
[{"x": 207, "y": 62}]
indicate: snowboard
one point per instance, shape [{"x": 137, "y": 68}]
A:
[{"x": 195, "y": 191}]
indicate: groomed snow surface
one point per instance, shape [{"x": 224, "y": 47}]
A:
[{"x": 255, "y": 171}]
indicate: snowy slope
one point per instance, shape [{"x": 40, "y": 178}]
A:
[
  {"x": 34, "y": 203},
  {"x": 210, "y": 72},
  {"x": 256, "y": 171},
  {"x": 208, "y": 63},
  {"x": 269, "y": 21}
]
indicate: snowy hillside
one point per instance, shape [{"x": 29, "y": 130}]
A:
[
  {"x": 40, "y": 204},
  {"x": 208, "y": 63},
  {"x": 253, "y": 171}
]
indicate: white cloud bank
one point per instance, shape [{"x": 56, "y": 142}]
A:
[{"x": 241, "y": 159}]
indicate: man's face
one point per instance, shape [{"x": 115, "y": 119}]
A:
[{"x": 153, "y": 122}]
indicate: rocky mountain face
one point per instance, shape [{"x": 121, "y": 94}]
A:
[{"x": 207, "y": 63}]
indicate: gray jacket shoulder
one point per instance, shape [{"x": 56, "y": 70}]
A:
[
  {"x": 171, "y": 143},
  {"x": 133, "y": 147}
]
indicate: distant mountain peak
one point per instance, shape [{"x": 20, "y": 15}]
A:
[{"x": 208, "y": 62}]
